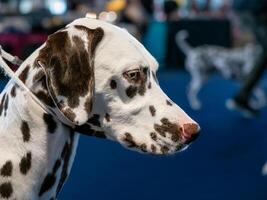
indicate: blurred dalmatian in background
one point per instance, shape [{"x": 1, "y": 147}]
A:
[{"x": 203, "y": 61}]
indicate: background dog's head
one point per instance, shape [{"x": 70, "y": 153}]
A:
[{"x": 104, "y": 81}]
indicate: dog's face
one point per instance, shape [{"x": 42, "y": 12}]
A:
[{"x": 116, "y": 94}]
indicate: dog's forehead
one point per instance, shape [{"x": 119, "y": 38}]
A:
[{"x": 121, "y": 40}]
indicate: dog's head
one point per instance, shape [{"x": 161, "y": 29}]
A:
[{"x": 104, "y": 81}]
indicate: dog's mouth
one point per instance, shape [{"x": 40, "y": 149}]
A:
[{"x": 159, "y": 147}]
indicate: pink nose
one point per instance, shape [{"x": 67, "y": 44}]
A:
[{"x": 190, "y": 132}]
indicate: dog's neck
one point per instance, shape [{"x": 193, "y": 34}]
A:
[{"x": 39, "y": 147}]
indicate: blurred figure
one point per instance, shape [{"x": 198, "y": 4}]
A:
[
  {"x": 254, "y": 15},
  {"x": 171, "y": 10},
  {"x": 135, "y": 13}
]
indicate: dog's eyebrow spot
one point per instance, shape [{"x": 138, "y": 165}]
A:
[
  {"x": 131, "y": 91},
  {"x": 113, "y": 84}
]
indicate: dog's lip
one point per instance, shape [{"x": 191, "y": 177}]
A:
[{"x": 182, "y": 147}]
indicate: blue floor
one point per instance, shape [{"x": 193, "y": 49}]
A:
[{"x": 223, "y": 164}]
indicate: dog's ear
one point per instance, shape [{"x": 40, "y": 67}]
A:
[{"x": 67, "y": 60}]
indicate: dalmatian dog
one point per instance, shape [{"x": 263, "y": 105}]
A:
[
  {"x": 103, "y": 82},
  {"x": 203, "y": 61}
]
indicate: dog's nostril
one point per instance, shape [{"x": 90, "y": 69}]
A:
[{"x": 190, "y": 131}]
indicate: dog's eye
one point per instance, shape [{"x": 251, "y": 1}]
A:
[{"x": 132, "y": 75}]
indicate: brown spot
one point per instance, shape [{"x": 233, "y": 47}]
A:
[
  {"x": 2, "y": 103},
  {"x": 113, "y": 84},
  {"x": 153, "y": 136},
  {"x": 56, "y": 166},
  {"x": 69, "y": 114},
  {"x": 164, "y": 149},
  {"x": 168, "y": 127},
  {"x": 129, "y": 139},
  {"x": 6, "y": 190},
  {"x": 149, "y": 85},
  {"x": 45, "y": 98},
  {"x": 50, "y": 123},
  {"x": 86, "y": 129},
  {"x": 25, "y": 130},
  {"x": 6, "y": 170},
  {"x": 47, "y": 184},
  {"x": 66, "y": 155},
  {"x": 50, "y": 179},
  {"x": 24, "y": 74},
  {"x": 131, "y": 91},
  {"x": 168, "y": 103},
  {"x": 143, "y": 147},
  {"x": 107, "y": 117},
  {"x": 152, "y": 110},
  {"x": 39, "y": 75},
  {"x": 153, "y": 148},
  {"x": 94, "y": 120},
  {"x": 88, "y": 105},
  {"x": 6, "y": 103},
  {"x": 25, "y": 163},
  {"x": 13, "y": 91}
]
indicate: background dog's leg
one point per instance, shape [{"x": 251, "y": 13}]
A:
[
  {"x": 258, "y": 100},
  {"x": 193, "y": 90},
  {"x": 264, "y": 170}
]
